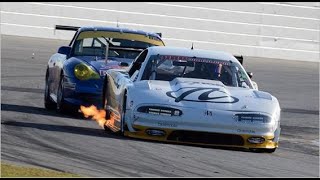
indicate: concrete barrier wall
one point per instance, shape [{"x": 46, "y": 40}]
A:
[{"x": 270, "y": 29}]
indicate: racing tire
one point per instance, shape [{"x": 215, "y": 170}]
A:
[
  {"x": 104, "y": 105},
  {"x": 124, "y": 105},
  {"x": 121, "y": 131},
  {"x": 61, "y": 105},
  {"x": 48, "y": 102},
  {"x": 106, "y": 128}
]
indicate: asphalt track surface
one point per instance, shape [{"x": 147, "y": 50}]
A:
[{"x": 31, "y": 135}]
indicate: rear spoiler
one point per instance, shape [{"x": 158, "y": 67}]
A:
[
  {"x": 68, "y": 28},
  {"x": 240, "y": 58},
  {"x": 160, "y": 34}
]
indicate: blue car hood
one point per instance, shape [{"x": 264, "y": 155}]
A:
[{"x": 101, "y": 65}]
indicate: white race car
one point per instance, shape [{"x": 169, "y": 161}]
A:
[{"x": 191, "y": 96}]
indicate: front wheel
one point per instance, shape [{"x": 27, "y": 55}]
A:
[
  {"x": 48, "y": 103},
  {"x": 120, "y": 132},
  {"x": 61, "y": 106},
  {"x": 123, "y": 113}
]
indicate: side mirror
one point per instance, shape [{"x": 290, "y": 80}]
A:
[
  {"x": 239, "y": 58},
  {"x": 255, "y": 85},
  {"x": 124, "y": 64},
  {"x": 250, "y": 74},
  {"x": 64, "y": 50}
]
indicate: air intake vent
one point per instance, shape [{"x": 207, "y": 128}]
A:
[{"x": 206, "y": 138}]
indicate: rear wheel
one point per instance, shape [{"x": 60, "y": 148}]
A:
[{"x": 48, "y": 103}]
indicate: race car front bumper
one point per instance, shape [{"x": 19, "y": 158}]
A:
[
  {"x": 84, "y": 93},
  {"x": 247, "y": 141},
  {"x": 195, "y": 128}
]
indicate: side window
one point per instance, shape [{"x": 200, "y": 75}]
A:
[
  {"x": 137, "y": 63},
  {"x": 74, "y": 37},
  {"x": 142, "y": 56},
  {"x": 87, "y": 42}
]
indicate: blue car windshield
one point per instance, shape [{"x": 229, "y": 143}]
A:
[
  {"x": 167, "y": 67},
  {"x": 118, "y": 48}
]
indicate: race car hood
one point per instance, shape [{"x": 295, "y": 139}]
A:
[
  {"x": 189, "y": 92},
  {"x": 101, "y": 65}
]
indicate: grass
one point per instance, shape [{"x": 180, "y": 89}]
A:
[{"x": 8, "y": 170}]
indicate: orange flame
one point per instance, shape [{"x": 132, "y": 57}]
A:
[{"x": 97, "y": 115}]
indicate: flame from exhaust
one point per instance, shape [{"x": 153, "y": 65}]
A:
[{"x": 97, "y": 115}]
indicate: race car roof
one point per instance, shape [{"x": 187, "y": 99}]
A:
[
  {"x": 187, "y": 52},
  {"x": 118, "y": 29}
]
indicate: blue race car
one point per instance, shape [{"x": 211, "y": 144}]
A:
[{"x": 75, "y": 74}]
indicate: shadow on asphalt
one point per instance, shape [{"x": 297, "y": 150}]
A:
[
  {"x": 63, "y": 128},
  {"x": 38, "y": 111},
  {"x": 20, "y": 89},
  {"x": 101, "y": 133},
  {"x": 84, "y": 130}
]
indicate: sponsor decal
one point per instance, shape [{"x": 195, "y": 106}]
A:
[
  {"x": 245, "y": 131},
  {"x": 208, "y": 113},
  {"x": 103, "y": 72},
  {"x": 211, "y": 95},
  {"x": 128, "y": 36},
  {"x": 244, "y": 107},
  {"x": 167, "y": 124},
  {"x": 103, "y": 69},
  {"x": 193, "y": 59},
  {"x": 192, "y": 83}
]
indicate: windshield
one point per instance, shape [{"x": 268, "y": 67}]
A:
[
  {"x": 166, "y": 68},
  {"x": 121, "y": 45},
  {"x": 117, "y": 48}
]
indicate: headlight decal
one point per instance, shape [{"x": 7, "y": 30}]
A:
[
  {"x": 159, "y": 110},
  {"x": 260, "y": 118}
]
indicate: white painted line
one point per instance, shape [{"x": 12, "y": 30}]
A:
[
  {"x": 164, "y": 27},
  {"x": 189, "y": 40},
  {"x": 233, "y": 11},
  {"x": 57, "y": 17},
  {"x": 178, "y": 28},
  {"x": 179, "y": 17},
  {"x": 157, "y": 26},
  {"x": 240, "y": 45},
  {"x": 28, "y": 26},
  {"x": 291, "y": 5}
]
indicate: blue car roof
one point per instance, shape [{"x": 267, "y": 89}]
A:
[{"x": 117, "y": 29}]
